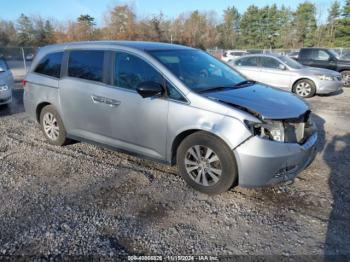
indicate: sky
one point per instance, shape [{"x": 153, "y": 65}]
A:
[{"x": 63, "y": 10}]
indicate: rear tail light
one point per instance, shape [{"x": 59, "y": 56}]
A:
[{"x": 24, "y": 82}]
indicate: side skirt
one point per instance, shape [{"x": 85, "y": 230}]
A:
[{"x": 116, "y": 149}]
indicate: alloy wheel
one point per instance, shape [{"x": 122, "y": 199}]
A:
[
  {"x": 303, "y": 89},
  {"x": 50, "y": 126},
  {"x": 203, "y": 165}
]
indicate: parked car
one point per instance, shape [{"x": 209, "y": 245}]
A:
[
  {"x": 325, "y": 58},
  {"x": 285, "y": 73},
  {"x": 232, "y": 54},
  {"x": 6, "y": 83},
  {"x": 174, "y": 104},
  {"x": 29, "y": 57}
]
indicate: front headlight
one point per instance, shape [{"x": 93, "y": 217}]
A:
[
  {"x": 272, "y": 130},
  {"x": 326, "y": 77},
  {"x": 4, "y": 88}
]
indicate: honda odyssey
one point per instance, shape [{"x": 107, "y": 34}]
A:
[{"x": 174, "y": 104}]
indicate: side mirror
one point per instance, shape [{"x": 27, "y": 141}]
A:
[
  {"x": 282, "y": 67},
  {"x": 2, "y": 69},
  {"x": 331, "y": 59},
  {"x": 149, "y": 89}
]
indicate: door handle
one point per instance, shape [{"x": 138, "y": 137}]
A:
[
  {"x": 97, "y": 99},
  {"x": 105, "y": 100},
  {"x": 112, "y": 102}
]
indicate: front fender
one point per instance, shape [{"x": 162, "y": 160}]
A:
[{"x": 186, "y": 118}]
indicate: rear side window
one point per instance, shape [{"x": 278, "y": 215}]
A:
[
  {"x": 247, "y": 61},
  {"x": 50, "y": 65},
  {"x": 86, "y": 64}
]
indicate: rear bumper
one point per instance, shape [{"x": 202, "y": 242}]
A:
[
  {"x": 29, "y": 107},
  {"x": 263, "y": 162},
  {"x": 326, "y": 87}
]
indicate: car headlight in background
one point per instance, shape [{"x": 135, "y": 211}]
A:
[
  {"x": 327, "y": 77},
  {"x": 4, "y": 88}
]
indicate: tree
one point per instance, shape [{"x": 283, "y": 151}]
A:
[
  {"x": 49, "y": 33},
  {"x": 121, "y": 23},
  {"x": 250, "y": 28},
  {"x": 87, "y": 20},
  {"x": 155, "y": 28},
  {"x": 342, "y": 32},
  {"x": 305, "y": 24},
  {"x": 333, "y": 15},
  {"x": 229, "y": 29},
  {"x": 285, "y": 30},
  {"x": 82, "y": 29},
  {"x": 8, "y": 34},
  {"x": 25, "y": 31}
]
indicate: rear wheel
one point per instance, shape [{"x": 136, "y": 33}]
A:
[
  {"x": 206, "y": 163},
  {"x": 52, "y": 126},
  {"x": 304, "y": 88},
  {"x": 345, "y": 75}
]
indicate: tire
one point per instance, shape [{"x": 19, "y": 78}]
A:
[
  {"x": 346, "y": 77},
  {"x": 304, "y": 88},
  {"x": 212, "y": 182},
  {"x": 56, "y": 135}
]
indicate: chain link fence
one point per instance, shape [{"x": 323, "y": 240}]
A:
[{"x": 19, "y": 59}]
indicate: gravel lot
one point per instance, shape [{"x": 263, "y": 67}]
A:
[{"x": 85, "y": 200}]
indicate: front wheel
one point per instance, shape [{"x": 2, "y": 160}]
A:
[
  {"x": 206, "y": 163},
  {"x": 304, "y": 88},
  {"x": 345, "y": 75}
]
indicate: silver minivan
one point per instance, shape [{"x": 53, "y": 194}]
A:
[{"x": 174, "y": 104}]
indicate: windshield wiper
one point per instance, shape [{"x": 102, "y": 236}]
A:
[
  {"x": 245, "y": 83},
  {"x": 235, "y": 86}
]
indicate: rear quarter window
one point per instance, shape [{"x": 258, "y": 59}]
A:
[
  {"x": 86, "y": 64},
  {"x": 50, "y": 65}
]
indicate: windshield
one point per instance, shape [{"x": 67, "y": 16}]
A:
[
  {"x": 290, "y": 62},
  {"x": 198, "y": 70}
]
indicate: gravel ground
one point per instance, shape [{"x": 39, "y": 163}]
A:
[{"x": 85, "y": 200}]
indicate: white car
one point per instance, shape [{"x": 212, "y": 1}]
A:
[
  {"x": 285, "y": 73},
  {"x": 232, "y": 54}
]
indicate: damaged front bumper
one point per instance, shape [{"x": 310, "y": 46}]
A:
[{"x": 264, "y": 162}]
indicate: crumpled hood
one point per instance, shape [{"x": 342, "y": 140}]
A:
[
  {"x": 318, "y": 71},
  {"x": 264, "y": 101}
]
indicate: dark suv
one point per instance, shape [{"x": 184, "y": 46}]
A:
[{"x": 325, "y": 58}]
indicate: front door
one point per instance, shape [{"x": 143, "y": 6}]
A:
[{"x": 115, "y": 115}]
